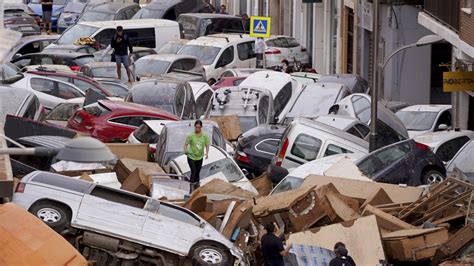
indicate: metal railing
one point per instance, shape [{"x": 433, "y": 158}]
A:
[{"x": 446, "y": 11}]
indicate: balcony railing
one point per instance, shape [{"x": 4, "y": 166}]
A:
[{"x": 446, "y": 11}]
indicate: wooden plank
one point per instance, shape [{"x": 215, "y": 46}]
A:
[{"x": 386, "y": 221}]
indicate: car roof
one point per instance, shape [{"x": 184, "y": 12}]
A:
[
  {"x": 101, "y": 64},
  {"x": 63, "y": 53},
  {"x": 215, "y": 154},
  {"x": 111, "y": 7},
  {"x": 427, "y": 108},
  {"x": 32, "y": 38},
  {"x": 133, "y": 23},
  {"x": 264, "y": 129},
  {"x": 434, "y": 139},
  {"x": 267, "y": 79},
  {"x": 46, "y": 141},
  {"x": 220, "y": 39},
  {"x": 337, "y": 121},
  {"x": 133, "y": 107},
  {"x": 209, "y": 15},
  {"x": 168, "y": 57},
  {"x": 157, "y": 81},
  {"x": 331, "y": 130}
]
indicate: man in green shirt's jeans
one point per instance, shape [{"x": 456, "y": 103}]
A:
[{"x": 194, "y": 150}]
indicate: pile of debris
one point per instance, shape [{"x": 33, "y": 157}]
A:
[{"x": 397, "y": 224}]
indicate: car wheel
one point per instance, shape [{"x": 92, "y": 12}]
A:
[
  {"x": 210, "y": 255},
  {"x": 432, "y": 177},
  {"x": 53, "y": 214}
]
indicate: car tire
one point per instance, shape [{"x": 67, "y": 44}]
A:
[
  {"x": 55, "y": 215},
  {"x": 432, "y": 177},
  {"x": 210, "y": 255}
]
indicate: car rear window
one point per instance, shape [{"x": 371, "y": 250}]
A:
[
  {"x": 97, "y": 109},
  {"x": 145, "y": 134},
  {"x": 306, "y": 147},
  {"x": 84, "y": 60}
]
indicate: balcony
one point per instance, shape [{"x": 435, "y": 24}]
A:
[{"x": 446, "y": 11}]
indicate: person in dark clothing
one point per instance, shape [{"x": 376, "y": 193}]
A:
[
  {"x": 122, "y": 45},
  {"x": 246, "y": 22},
  {"x": 208, "y": 7},
  {"x": 272, "y": 248},
  {"x": 341, "y": 259},
  {"x": 47, "y": 8}
]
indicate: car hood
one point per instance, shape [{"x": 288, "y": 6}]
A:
[{"x": 346, "y": 168}]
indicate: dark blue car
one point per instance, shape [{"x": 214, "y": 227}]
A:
[{"x": 58, "y": 7}]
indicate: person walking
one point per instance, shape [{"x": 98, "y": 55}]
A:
[
  {"x": 272, "y": 247},
  {"x": 341, "y": 259},
  {"x": 47, "y": 8},
  {"x": 194, "y": 147},
  {"x": 122, "y": 45}
]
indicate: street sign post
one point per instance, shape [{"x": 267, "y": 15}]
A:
[{"x": 260, "y": 26}]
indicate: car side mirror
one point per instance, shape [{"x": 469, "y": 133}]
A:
[
  {"x": 442, "y": 127},
  {"x": 16, "y": 56},
  {"x": 246, "y": 172}
]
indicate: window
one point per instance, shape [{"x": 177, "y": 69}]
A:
[
  {"x": 246, "y": 50},
  {"x": 41, "y": 60},
  {"x": 145, "y": 134},
  {"x": 226, "y": 58},
  {"x": 190, "y": 105},
  {"x": 96, "y": 109},
  {"x": 84, "y": 86},
  {"x": 306, "y": 147},
  {"x": 363, "y": 129},
  {"x": 129, "y": 13},
  {"x": 361, "y": 108},
  {"x": 119, "y": 197},
  {"x": 104, "y": 37},
  {"x": 444, "y": 119},
  {"x": 65, "y": 91},
  {"x": 278, "y": 42},
  {"x": 202, "y": 103},
  {"x": 292, "y": 42},
  {"x": 42, "y": 85},
  {"x": 282, "y": 98},
  {"x": 384, "y": 158},
  {"x": 353, "y": 131},
  {"x": 263, "y": 109},
  {"x": 183, "y": 64},
  {"x": 20, "y": 63},
  {"x": 121, "y": 16},
  {"x": 179, "y": 100},
  {"x": 142, "y": 37},
  {"x": 134, "y": 121},
  {"x": 448, "y": 149},
  {"x": 268, "y": 146},
  {"x": 33, "y": 106},
  {"x": 334, "y": 149},
  {"x": 227, "y": 74}
]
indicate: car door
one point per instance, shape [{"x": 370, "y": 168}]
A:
[
  {"x": 225, "y": 61},
  {"x": 246, "y": 54},
  {"x": 51, "y": 92},
  {"x": 171, "y": 227},
  {"x": 114, "y": 211}
]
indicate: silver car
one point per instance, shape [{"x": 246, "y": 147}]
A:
[{"x": 152, "y": 228}]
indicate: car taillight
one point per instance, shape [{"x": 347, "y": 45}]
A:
[
  {"x": 272, "y": 51},
  {"x": 282, "y": 153},
  {"x": 20, "y": 188},
  {"x": 8, "y": 21},
  {"x": 242, "y": 157},
  {"x": 75, "y": 68},
  {"x": 422, "y": 146},
  {"x": 152, "y": 149},
  {"x": 303, "y": 49}
]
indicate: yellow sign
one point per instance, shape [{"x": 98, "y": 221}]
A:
[
  {"x": 458, "y": 81},
  {"x": 260, "y": 26}
]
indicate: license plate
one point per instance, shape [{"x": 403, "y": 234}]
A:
[
  {"x": 78, "y": 119},
  {"x": 26, "y": 29}
]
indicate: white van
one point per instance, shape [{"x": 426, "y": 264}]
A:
[
  {"x": 152, "y": 33},
  {"x": 220, "y": 52}
]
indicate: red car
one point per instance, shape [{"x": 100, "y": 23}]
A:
[
  {"x": 82, "y": 82},
  {"x": 111, "y": 121},
  {"x": 227, "y": 82}
]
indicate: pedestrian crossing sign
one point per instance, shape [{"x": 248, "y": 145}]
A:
[{"x": 260, "y": 26}]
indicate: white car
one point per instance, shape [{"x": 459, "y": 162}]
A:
[
  {"x": 306, "y": 77},
  {"x": 240, "y": 72},
  {"x": 295, "y": 178},
  {"x": 282, "y": 86},
  {"x": 463, "y": 161},
  {"x": 220, "y": 52},
  {"x": 284, "y": 47},
  {"x": 49, "y": 91},
  {"x": 419, "y": 119},
  {"x": 445, "y": 144},
  {"x": 18, "y": 103},
  {"x": 203, "y": 94},
  {"x": 219, "y": 165},
  {"x": 159, "y": 64}
]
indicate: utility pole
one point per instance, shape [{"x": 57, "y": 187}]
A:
[{"x": 375, "y": 77}]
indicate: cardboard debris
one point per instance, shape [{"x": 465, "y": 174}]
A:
[
  {"x": 362, "y": 190},
  {"x": 414, "y": 244},
  {"x": 137, "y": 182},
  {"x": 220, "y": 187},
  {"x": 26, "y": 240},
  {"x": 229, "y": 126},
  {"x": 262, "y": 184},
  {"x": 239, "y": 218},
  {"x": 124, "y": 167},
  {"x": 73, "y": 173},
  {"x": 132, "y": 151},
  {"x": 386, "y": 222},
  {"x": 455, "y": 243},
  {"x": 361, "y": 237},
  {"x": 86, "y": 177},
  {"x": 378, "y": 197},
  {"x": 171, "y": 189},
  {"x": 337, "y": 207},
  {"x": 281, "y": 201}
]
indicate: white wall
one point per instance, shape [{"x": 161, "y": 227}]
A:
[{"x": 408, "y": 75}]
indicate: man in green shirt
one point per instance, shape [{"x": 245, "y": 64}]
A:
[{"x": 194, "y": 150}]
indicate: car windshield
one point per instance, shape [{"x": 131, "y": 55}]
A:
[
  {"x": 205, "y": 54},
  {"x": 115, "y": 88},
  {"x": 416, "y": 120},
  {"x": 312, "y": 102},
  {"x": 74, "y": 7},
  {"x": 75, "y": 32},
  {"x": 177, "y": 136},
  {"x": 170, "y": 48},
  {"x": 63, "y": 111},
  {"x": 148, "y": 13},
  {"x": 464, "y": 161},
  {"x": 161, "y": 95},
  {"x": 224, "y": 168},
  {"x": 145, "y": 134},
  {"x": 150, "y": 67},
  {"x": 288, "y": 183},
  {"x": 9, "y": 71},
  {"x": 97, "y": 16}
]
